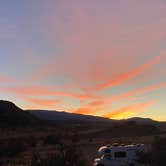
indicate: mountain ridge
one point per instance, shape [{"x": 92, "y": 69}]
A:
[
  {"x": 53, "y": 115},
  {"x": 12, "y": 115}
]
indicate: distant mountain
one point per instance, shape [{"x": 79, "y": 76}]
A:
[
  {"x": 65, "y": 116},
  {"x": 139, "y": 120},
  {"x": 56, "y": 116},
  {"x": 11, "y": 116},
  {"x": 105, "y": 127},
  {"x": 72, "y": 118}
]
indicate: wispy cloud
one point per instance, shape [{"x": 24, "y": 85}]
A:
[
  {"x": 138, "y": 92},
  {"x": 38, "y": 103},
  {"x": 98, "y": 106},
  {"x": 44, "y": 102},
  {"x": 131, "y": 74},
  {"x": 86, "y": 110},
  {"x": 96, "y": 103},
  {"x": 91, "y": 48},
  {"x": 43, "y": 91},
  {"x": 5, "y": 79}
]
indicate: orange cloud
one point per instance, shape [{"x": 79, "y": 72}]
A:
[
  {"x": 96, "y": 103},
  {"x": 97, "y": 106},
  {"x": 131, "y": 74},
  {"x": 74, "y": 95},
  {"x": 44, "y": 102},
  {"x": 43, "y": 91},
  {"x": 138, "y": 91},
  {"x": 130, "y": 110},
  {"x": 90, "y": 108},
  {"x": 85, "y": 110},
  {"x": 29, "y": 90}
]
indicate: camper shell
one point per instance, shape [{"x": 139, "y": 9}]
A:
[{"x": 119, "y": 155}]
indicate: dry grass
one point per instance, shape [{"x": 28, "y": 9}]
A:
[{"x": 84, "y": 138}]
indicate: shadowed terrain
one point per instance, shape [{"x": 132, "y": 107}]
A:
[
  {"x": 12, "y": 116},
  {"x": 31, "y": 136}
]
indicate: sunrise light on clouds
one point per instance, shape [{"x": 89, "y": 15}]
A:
[{"x": 104, "y": 58}]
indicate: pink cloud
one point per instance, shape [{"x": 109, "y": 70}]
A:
[
  {"x": 5, "y": 79},
  {"x": 98, "y": 46},
  {"x": 131, "y": 74},
  {"x": 138, "y": 92},
  {"x": 98, "y": 106},
  {"x": 43, "y": 91},
  {"x": 44, "y": 102}
]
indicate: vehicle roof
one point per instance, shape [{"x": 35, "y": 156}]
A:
[{"x": 123, "y": 147}]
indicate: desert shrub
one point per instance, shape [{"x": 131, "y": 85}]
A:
[
  {"x": 12, "y": 147},
  {"x": 159, "y": 143},
  {"x": 52, "y": 140},
  {"x": 144, "y": 157},
  {"x": 159, "y": 151},
  {"x": 75, "y": 138},
  {"x": 31, "y": 141},
  {"x": 90, "y": 140},
  {"x": 157, "y": 154},
  {"x": 65, "y": 156}
]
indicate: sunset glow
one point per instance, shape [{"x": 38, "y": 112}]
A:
[{"x": 102, "y": 58}]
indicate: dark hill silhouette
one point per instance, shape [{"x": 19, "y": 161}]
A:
[
  {"x": 12, "y": 116},
  {"x": 127, "y": 127},
  {"x": 56, "y": 116},
  {"x": 142, "y": 120}
]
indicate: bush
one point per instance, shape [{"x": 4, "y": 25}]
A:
[
  {"x": 157, "y": 155},
  {"x": 12, "y": 147},
  {"x": 31, "y": 141},
  {"x": 66, "y": 156},
  {"x": 52, "y": 140},
  {"x": 159, "y": 151},
  {"x": 75, "y": 138}
]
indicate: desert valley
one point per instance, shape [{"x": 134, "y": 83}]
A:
[{"x": 36, "y": 137}]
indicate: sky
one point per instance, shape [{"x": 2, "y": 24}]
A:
[{"x": 104, "y": 58}]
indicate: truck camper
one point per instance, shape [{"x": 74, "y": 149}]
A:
[{"x": 119, "y": 155}]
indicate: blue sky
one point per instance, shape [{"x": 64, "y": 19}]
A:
[{"x": 103, "y": 58}]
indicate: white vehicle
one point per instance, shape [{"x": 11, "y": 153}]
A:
[{"x": 119, "y": 155}]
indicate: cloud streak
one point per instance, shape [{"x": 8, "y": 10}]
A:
[
  {"x": 5, "y": 79},
  {"x": 86, "y": 110},
  {"x": 131, "y": 74},
  {"x": 44, "y": 102},
  {"x": 98, "y": 106},
  {"x": 99, "y": 53},
  {"x": 43, "y": 91},
  {"x": 138, "y": 92}
]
